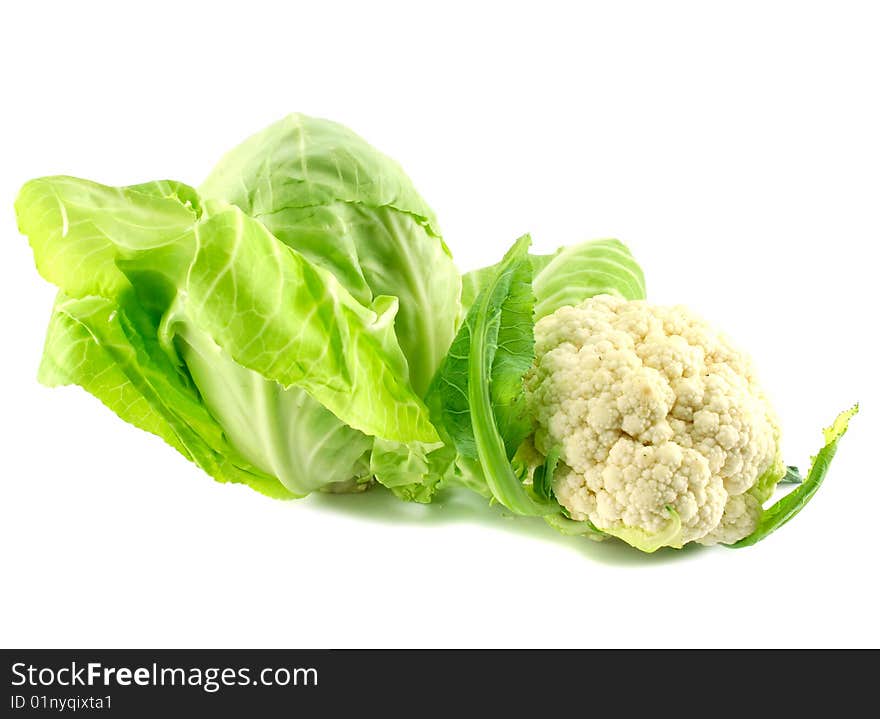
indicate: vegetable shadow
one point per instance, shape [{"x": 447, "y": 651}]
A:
[{"x": 457, "y": 505}]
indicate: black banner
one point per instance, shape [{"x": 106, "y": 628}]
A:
[{"x": 264, "y": 683}]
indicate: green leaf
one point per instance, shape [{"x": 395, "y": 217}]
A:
[
  {"x": 792, "y": 476},
  {"x": 669, "y": 536},
  {"x": 571, "y": 275},
  {"x": 104, "y": 348},
  {"x": 283, "y": 431},
  {"x": 586, "y": 270},
  {"x": 571, "y": 527},
  {"x": 412, "y": 471},
  {"x": 509, "y": 353},
  {"x": 347, "y": 208},
  {"x": 787, "y": 508},
  {"x": 467, "y": 472},
  {"x": 277, "y": 314},
  {"x": 224, "y": 274},
  {"x": 303, "y": 161},
  {"x": 79, "y": 229},
  {"x": 542, "y": 477},
  {"x": 477, "y": 395},
  {"x": 472, "y": 283},
  {"x": 323, "y": 191}
]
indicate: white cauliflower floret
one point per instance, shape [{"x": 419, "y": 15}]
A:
[
  {"x": 741, "y": 515},
  {"x": 658, "y": 418}
]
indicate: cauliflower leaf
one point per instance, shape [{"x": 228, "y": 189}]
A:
[
  {"x": 788, "y": 507},
  {"x": 650, "y": 542},
  {"x": 477, "y": 396},
  {"x": 571, "y": 275}
]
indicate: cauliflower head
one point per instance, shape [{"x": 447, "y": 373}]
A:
[{"x": 664, "y": 433}]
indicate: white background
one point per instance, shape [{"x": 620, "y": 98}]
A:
[{"x": 736, "y": 150}]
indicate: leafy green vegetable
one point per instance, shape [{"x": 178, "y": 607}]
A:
[
  {"x": 225, "y": 275},
  {"x": 323, "y": 191},
  {"x": 787, "y": 508},
  {"x": 292, "y": 361}
]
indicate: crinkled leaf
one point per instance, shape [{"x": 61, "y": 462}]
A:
[
  {"x": 303, "y": 161},
  {"x": 266, "y": 305},
  {"x": 322, "y": 190},
  {"x": 109, "y": 351},
  {"x": 586, "y": 270},
  {"x": 571, "y": 275},
  {"x": 412, "y": 471},
  {"x": 79, "y": 229}
]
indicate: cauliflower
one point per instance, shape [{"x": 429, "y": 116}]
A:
[
  {"x": 567, "y": 396},
  {"x": 664, "y": 434}
]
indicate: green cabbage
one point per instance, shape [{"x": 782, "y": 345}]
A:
[{"x": 278, "y": 327}]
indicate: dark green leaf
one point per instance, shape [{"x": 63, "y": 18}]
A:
[{"x": 792, "y": 476}]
